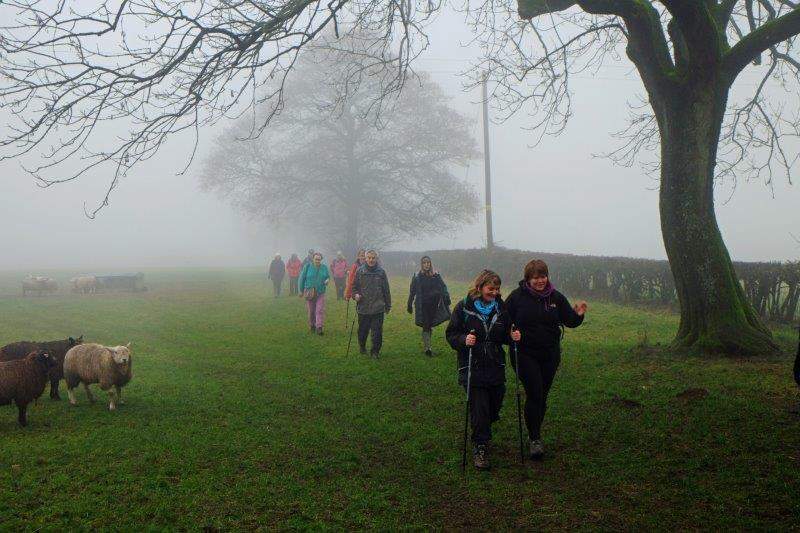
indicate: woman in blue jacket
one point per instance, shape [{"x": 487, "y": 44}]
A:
[{"x": 312, "y": 284}]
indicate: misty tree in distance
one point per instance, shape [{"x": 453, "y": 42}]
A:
[
  {"x": 353, "y": 170},
  {"x": 688, "y": 55}
]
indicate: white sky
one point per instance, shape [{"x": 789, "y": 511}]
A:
[{"x": 556, "y": 197}]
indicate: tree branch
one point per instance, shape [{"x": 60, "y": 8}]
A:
[
  {"x": 647, "y": 44},
  {"x": 724, "y": 12},
  {"x": 758, "y": 41}
]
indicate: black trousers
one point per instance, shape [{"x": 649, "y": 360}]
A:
[
  {"x": 484, "y": 410},
  {"x": 276, "y": 286},
  {"x": 371, "y": 324},
  {"x": 293, "y": 290},
  {"x": 537, "y": 370}
]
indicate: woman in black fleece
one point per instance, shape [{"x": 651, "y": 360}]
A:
[
  {"x": 479, "y": 323},
  {"x": 539, "y": 311}
]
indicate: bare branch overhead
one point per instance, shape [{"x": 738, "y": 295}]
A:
[{"x": 162, "y": 68}]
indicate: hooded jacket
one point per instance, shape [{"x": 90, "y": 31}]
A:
[
  {"x": 373, "y": 286},
  {"x": 488, "y": 354},
  {"x": 276, "y": 269},
  {"x": 539, "y": 319}
]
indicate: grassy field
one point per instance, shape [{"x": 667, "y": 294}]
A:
[{"x": 237, "y": 418}]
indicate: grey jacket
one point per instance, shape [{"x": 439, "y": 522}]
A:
[{"x": 373, "y": 286}]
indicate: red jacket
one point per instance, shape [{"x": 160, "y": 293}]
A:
[
  {"x": 293, "y": 268},
  {"x": 351, "y": 276}
]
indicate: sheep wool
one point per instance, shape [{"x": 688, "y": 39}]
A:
[
  {"x": 108, "y": 366},
  {"x": 56, "y": 349},
  {"x": 23, "y": 381}
]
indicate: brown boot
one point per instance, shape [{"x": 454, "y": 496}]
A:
[{"x": 480, "y": 457}]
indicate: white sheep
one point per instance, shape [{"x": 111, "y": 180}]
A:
[{"x": 110, "y": 366}]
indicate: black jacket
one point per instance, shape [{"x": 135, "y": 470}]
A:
[
  {"x": 373, "y": 286},
  {"x": 488, "y": 355},
  {"x": 277, "y": 269},
  {"x": 430, "y": 300},
  {"x": 540, "y": 319}
]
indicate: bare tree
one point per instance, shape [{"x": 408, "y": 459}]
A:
[
  {"x": 688, "y": 55},
  {"x": 336, "y": 163},
  {"x": 162, "y": 67}
]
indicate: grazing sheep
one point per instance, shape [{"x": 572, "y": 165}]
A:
[
  {"x": 110, "y": 366},
  {"x": 23, "y": 381},
  {"x": 84, "y": 284},
  {"x": 56, "y": 349}
]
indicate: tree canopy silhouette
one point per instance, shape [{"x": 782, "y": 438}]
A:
[{"x": 336, "y": 161}]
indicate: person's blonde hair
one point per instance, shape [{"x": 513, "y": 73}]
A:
[{"x": 485, "y": 277}]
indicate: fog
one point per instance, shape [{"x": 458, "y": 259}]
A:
[{"x": 557, "y": 196}]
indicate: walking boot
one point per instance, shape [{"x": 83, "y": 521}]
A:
[
  {"x": 312, "y": 329},
  {"x": 429, "y": 353},
  {"x": 319, "y": 332},
  {"x": 536, "y": 450},
  {"x": 362, "y": 350},
  {"x": 480, "y": 457}
]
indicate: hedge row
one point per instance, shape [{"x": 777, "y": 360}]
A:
[{"x": 772, "y": 288}]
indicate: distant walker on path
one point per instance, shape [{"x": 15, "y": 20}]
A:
[
  {"x": 339, "y": 271},
  {"x": 277, "y": 269},
  {"x": 429, "y": 300},
  {"x": 313, "y": 282},
  {"x": 293, "y": 267}
]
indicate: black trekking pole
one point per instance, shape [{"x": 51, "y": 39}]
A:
[
  {"x": 466, "y": 419},
  {"x": 350, "y": 340},
  {"x": 347, "y": 315},
  {"x": 519, "y": 408}
]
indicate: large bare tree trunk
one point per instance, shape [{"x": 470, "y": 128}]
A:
[
  {"x": 351, "y": 242},
  {"x": 715, "y": 316}
]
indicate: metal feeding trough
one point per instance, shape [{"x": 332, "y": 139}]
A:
[{"x": 131, "y": 282}]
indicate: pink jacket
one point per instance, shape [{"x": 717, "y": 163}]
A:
[{"x": 339, "y": 268}]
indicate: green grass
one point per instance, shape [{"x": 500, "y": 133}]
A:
[{"x": 237, "y": 418}]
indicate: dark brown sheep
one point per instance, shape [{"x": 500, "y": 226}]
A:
[
  {"x": 24, "y": 380},
  {"x": 57, "y": 349}
]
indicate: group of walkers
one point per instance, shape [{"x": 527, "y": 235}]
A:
[
  {"x": 531, "y": 321},
  {"x": 293, "y": 269},
  {"x": 364, "y": 282}
]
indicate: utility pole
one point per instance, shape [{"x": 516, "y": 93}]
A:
[{"x": 487, "y": 166}]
